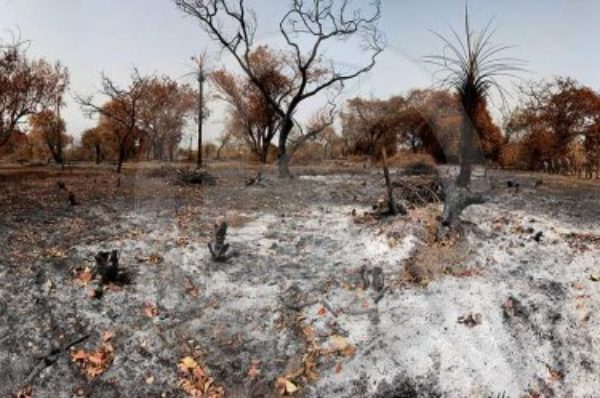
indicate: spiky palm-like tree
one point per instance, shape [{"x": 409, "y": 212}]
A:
[{"x": 472, "y": 65}]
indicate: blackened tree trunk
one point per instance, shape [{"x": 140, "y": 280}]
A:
[
  {"x": 98, "y": 153},
  {"x": 121, "y": 157},
  {"x": 466, "y": 158},
  {"x": 283, "y": 158}
]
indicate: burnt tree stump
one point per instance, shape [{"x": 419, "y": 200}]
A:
[
  {"x": 254, "y": 181},
  {"x": 218, "y": 248},
  {"x": 107, "y": 267},
  {"x": 71, "y": 199},
  {"x": 393, "y": 207},
  {"x": 457, "y": 199}
]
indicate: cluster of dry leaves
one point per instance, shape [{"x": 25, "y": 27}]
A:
[
  {"x": 95, "y": 362},
  {"x": 582, "y": 242},
  {"x": 196, "y": 382},
  {"x": 338, "y": 346}
]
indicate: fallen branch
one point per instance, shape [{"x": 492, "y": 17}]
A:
[{"x": 52, "y": 357}]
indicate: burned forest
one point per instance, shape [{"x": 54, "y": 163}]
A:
[{"x": 299, "y": 198}]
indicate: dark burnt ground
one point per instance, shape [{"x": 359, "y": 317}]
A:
[
  {"x": 41, "y": 303},
  {"x": 40, "y": 299},
  {"x": 569, "y": 199}
]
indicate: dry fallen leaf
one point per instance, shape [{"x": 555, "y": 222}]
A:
[
  {"x": 56, "y": 253},
  {"x": 195, "y": 381},
  {"x": 190, "y": 288},
  {"x": 189, "y": 362},
  {"x": 94, "y": 363},
  {"x": 150, "y": 310},
  {"x": 84, "y": 277},
  {"x": 285, "y": 387},
  {"x": 107, "y": 335},
  {"x": 25, "y": 392},
  {"x": 78, "y": 355},
  {"x": 556, "y": 375}
]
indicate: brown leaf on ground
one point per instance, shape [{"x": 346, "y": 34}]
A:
[
  {"x": 150, "y": 310},
  {"x": 190, "y": 288},
  {"x": 84, "y": 277},
  {"x": 96, "y": 362},
  {"x": 195, "y": 381},
  {"x": 555, "y": 376},
  {"x": 25, "y": 392},
  {"x": 55, "y": 253},
  {"x": 285, "y": 387}
]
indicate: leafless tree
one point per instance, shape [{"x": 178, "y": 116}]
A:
[
  {"x": 122, "y": 110},
  {"x": 308, "y": 28}
]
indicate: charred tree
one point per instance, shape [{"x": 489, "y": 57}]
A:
[
  {"x": 456, "y": 201},
  {"x": 309, "y": 28},
  {"x": 471, "y": 65}
]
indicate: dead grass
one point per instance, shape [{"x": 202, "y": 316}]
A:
[
  {"x": 404, "y": 159},
  {"x": 433, "y": 259}
]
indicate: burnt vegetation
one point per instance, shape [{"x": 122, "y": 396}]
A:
[{"x": 259, "y": 226}]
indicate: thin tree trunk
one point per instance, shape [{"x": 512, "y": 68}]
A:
[
  {"x": 59, "y": 149},
  {"x": 98, "y": 153},
  {"x": 467, "y": 132},
  {"x": 392, "y": 206},
  {"x": 121, "y": 158},
  {"x": 200, "y": 115},
  {"x": 283, "y": 158}
]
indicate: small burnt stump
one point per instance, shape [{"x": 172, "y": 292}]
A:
[
  {"x": 71, "y": 199},
  {"x": 218, "y": 248},
  {"x": 107, "y": 267}
]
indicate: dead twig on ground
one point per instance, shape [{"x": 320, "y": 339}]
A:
[{"x": 52, "y": 357}]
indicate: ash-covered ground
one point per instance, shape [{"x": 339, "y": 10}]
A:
[{"x": 507, "y": 307}]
